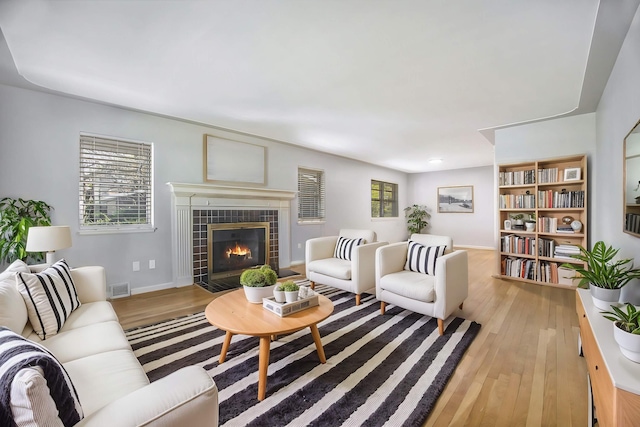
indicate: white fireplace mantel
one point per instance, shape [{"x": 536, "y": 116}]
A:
[
  {"x": 186, "y": 197},
  {"x": 222, "y": 191}
]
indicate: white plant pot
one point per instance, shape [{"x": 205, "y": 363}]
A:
[
  {"x": 604, "y": 298},
  {"x": 291, "y": 296},
  {"x": 629, "y": 343},
  {"x": 279, "y": 295},
  {"x": 255, "y": 295}
]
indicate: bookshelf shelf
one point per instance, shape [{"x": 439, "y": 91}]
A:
[{"x": 536, "y": 190}]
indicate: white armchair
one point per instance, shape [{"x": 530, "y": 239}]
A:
[
  {"x": 435, "y": 295},
  {"x": 356, "y": 276}
]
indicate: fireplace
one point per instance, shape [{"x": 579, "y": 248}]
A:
[{"x": 234, "y": 247}]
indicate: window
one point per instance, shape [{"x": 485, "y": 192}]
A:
[
  {"x": 310, "y": 195},
  {"x": 384, "y": 199},
  {"x": 116, "y": 184}
]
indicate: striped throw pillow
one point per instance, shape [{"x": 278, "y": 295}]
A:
[
  {"x": 421, "y": 258},
  {"x": 50, "y": 297},
  {"x": 344, "y": 247},
  {"x": 35, "y": 389}
]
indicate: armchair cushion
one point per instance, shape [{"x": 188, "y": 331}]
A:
[
  {"x": 333, "y": 267},
  {"x": 50, "y": 297},
  {"x": 409, "y": 284},
  {"x": 421, "y": 258},
  {"x": 344, "y": 247}
]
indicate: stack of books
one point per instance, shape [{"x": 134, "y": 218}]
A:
[
  {"x": 566, "y": 251},
  {"x": 564, "y": 229}
]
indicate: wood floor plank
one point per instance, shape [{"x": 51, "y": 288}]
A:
[{"x": 522, "y": 368}]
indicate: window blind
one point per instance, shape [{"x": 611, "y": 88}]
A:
[
  {"x": 116, "y": 182},
  {"x": 311, "y": 195}
]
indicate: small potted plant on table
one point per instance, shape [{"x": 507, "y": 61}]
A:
[
  {"x": 278, "y": 293},
  {"x": 604, "y": 276},
  {"x": 258, "y": 283},
  {"x": 291, "y": 290},
  {"x": 626, "y": 330}
]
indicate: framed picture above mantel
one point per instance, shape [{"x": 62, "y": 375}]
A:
[
  {"x": 455, "y": 199},
  {"x": 226, "y": 161}
]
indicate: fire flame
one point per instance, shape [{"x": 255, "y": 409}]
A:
[{"x": 238, "y": 250}]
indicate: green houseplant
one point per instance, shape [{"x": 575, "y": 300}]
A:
[
  {"x": 291, "y": 290},
  {"x": 416, "y": 216},
  {"x": 258, "y": 283},
  {"x": 604, "y": 276},
  {"x": 626, "y": 330},
  {"x": 16, "y": 217}
]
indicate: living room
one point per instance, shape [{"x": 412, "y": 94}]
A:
[{"x": 40, "y": 129}]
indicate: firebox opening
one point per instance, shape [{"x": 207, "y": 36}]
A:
[{"x": 235, "y": 247}]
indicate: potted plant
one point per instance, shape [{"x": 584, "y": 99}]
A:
[
  {"x": 278, "y": 293},
  {"x": 417, "y": 216},
  {"x": 604, "y": 276},
  {"x": 16, "y": 217},
  {"x": 530, "y": 223},
  {"x": 517, "y": 218},
  {"x": 258, "y": 283},
  {"x": 291, "y": 290},
  {"x": 626, "y": 330}
]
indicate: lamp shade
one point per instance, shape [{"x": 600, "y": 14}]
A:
[{"x": 49, "y": 238}]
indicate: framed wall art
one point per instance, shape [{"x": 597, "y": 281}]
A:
[
  {"x": 572, "y": 174},
  {"x": 457, "y": 199},
  {"x": 233, "y": 162}
]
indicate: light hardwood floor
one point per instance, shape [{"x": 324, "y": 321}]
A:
[{"x": 522, "y": 369}]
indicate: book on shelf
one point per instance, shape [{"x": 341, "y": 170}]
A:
[{"x": 523, "y": 177}]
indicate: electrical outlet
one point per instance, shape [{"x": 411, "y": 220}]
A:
[
  {"x": 299, "y": 245},
  {"x": 152, "y": 264},
  {"x": 136, "y": 265}
]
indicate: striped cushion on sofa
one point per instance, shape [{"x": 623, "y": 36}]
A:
[
  {"x": 344, "y": 247},
  {"x": 50, "y": 297},
  {"x": 421, "y": 258}
]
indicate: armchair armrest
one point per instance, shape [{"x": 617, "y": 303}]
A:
[
  {"x": 319, "y": 248},
  {"x": 363, "y": 271},
  {"x": 390, "y": 259},
  {"x": 91, "y": 283},
  {"x": 452, "y": 282},
  {"x": 187, "y": 397}
]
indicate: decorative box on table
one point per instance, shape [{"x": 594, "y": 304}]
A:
[{"x": 283, "y": 309}]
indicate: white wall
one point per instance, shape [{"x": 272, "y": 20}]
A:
[
  {"x": 39, "y": 136},
  {"x": 618, "y": 111},
  {"x": 467, "y": 229}
]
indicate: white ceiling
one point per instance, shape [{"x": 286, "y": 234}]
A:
[{"x": 393, "y": 83}]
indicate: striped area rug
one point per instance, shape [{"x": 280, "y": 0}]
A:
[{"x": 381, "y": 370}]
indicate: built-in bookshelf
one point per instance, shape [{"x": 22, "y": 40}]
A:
[{"x": 549, "y": 195}]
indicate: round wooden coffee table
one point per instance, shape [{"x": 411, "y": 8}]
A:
[{"x": 232, "y": 313}]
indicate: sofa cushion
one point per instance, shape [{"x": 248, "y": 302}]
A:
[
  {"x": 94, "y": 339},
  {"x": 18, "y": 353},
  {"x": 409, "y": 284},
  {"x": 13, "y": 312},
  {"x": 89, "y": 314},
  {"x": 421, "y": 258},
  {"x": 50, "y": 297},
  {"x": 17, "y": 266},
  {"x": 332, "y": 267},
  {"x": 105, "y": 377},
  {"x": 345, "y": 247}
]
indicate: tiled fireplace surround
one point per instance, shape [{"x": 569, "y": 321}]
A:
[{"x": 193, "y": 206}]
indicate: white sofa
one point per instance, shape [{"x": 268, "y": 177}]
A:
[
  {"x": 112, "y": 385},
  {"x": 356, "y": 276}
]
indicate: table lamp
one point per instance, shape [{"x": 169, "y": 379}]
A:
[{"x": 48, "y": 239}]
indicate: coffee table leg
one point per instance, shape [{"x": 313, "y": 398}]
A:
[
  {"x": 263, "y": 362},
  {"x": 316, "y": 338},
  {"x": 225, "y": 346}
]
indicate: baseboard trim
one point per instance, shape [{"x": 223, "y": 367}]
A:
[
  {"x": 294, "y": 263},
  {"x": 152, "y": 288},
  {"x": 484, "y": 248}
]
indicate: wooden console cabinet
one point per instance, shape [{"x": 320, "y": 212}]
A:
[{"x": 615, "y": 380}]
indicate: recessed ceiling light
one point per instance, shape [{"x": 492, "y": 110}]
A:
[{"x": 435, "y": 160}]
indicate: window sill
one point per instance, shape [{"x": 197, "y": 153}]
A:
[
  {"x": 311, "y": 222},
  {"x": 88, "y": 232},
  {"x": 389, "y": 218}
]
